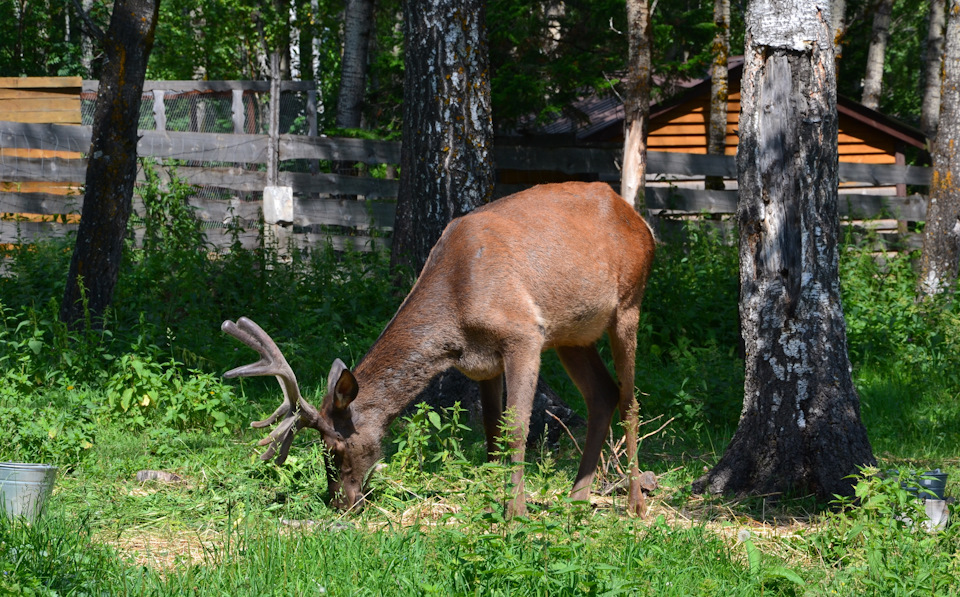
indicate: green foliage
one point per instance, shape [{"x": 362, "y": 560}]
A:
[
  {"x": 877, "y": 541},
  {"x": 59, "y": 556},
  {"x": 690, "y": 333},
  {"x": 902, "y": 92},
  {"x": 43, "y": 39},
  {"x": 535, "y": 74},
  {"x": 145, "y": 392}
]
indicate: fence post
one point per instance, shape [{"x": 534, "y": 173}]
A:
[
  {"x": 159, "y": 110},
  {"x": 236, "y": 111},
  {"x": 312, "y": 122},
  {"x": 274, "y": 121},
  {"x": 277, "y": 200}
]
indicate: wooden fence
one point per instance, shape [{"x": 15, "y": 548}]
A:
[{"x": 231, "y": 170}]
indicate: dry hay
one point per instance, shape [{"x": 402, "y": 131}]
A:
[{"x": 166, "y": 549}]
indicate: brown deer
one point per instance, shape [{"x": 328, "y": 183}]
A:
[{"x": 550, "y": 267}]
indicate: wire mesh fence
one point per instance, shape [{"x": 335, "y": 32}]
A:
[{"x": 233, "y": 110}]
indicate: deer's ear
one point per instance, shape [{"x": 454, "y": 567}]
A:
[{"x": 341, "y": 385}]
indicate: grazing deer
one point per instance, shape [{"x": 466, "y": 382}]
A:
[{"x": 550, "y": 267}]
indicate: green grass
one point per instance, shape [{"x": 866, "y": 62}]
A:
[{"x": 146, "y": 394}]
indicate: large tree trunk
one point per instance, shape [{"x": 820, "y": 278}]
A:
[
  {"x": 873, "y": 77},
  {"x": 940, "y": 259},
  {"x": 446, "y": 161},
  {"x": 800, "y": 428},
  {"x": 636, "y": 105},
  {"x": 930, "y": 110},
  {"x": 112, "y": 162},
  {"x": 719, "y": 92}
]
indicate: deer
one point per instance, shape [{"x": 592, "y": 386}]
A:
[{"x": 554, "y": 266}]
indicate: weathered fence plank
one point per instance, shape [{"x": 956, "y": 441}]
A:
[
  {"x": 90, "y": 86},
  {"x": 39, "y": 203}
]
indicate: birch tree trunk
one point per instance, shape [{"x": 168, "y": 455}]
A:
[
  {"x": 446, "y": 160},
  {"x": 838, "y": 24},
  {"x": 112, "y": 163},
  {"x": 800, "y": 428},
  {"x": 717, "y": 132},
  {"x": 940, "y": 259},
  {"x": 930, "y": 110},
  {"x": 636, "y": 105},
  {"x": 873, "y": 77}
]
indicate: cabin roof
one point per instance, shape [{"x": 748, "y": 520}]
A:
[{"x": 605, "y": 114}]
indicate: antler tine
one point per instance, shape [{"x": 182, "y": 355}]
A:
[
  {"x": 272, "y": 362},
  {"x": 281, "y": 437}
]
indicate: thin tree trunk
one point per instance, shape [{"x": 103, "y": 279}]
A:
[
  {"x": 940, "y": 259},
  {"x": 800, "y": 428},
  {"x": 283, "y": 40},
  {"x": 873, "y": 78},
  {"x": 636, "y": 105},
  {"x": 446, "y": 161},
  {"x": 717, "y": 132},
  {"x": 357, "y": 26},
  {"x": 930, "y": 110},
  {"x": 112, "y": 162},
  {"x": 838, "y": 24}
]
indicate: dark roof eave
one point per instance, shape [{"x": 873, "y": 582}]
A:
[{"x": 881, "y": 122}]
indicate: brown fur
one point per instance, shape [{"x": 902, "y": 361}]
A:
[{"x": 554, "y": 266}]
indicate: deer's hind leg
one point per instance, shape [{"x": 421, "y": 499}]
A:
[
  {"x": 588, "y": 372},
  {"x": 623, "y": 343},
  {"x": 491, "y": 401}
]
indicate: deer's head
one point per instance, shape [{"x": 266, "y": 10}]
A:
[
  {"x": 352, "y": 452},
  {"x": 353, "y": 449}
]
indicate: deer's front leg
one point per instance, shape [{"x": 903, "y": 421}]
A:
[{"x": 521, "y": 368}]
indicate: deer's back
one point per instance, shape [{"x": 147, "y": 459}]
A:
[{"x": 560, "y": 256}]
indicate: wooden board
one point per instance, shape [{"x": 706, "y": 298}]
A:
[
  {"x": 39, "y": 82},
  {"x": 50, "y": 102}
]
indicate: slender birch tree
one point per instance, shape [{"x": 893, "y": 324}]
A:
[
  {"x": 940, "y": 258},
  {"x": 930, "y": 110},
  {"x": 719, "y": 91},
  {"x": 873, "y": 77}
]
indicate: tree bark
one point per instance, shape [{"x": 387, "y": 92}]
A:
[
  {"x": 717, "y": 132},
  {"x": 112, "y": 162},
  {"x": 940, "y": 258},
  {"x": 636, "y": 105},
  {"x": 800, "y": 429},
  {"x": 446, "y": 161},
  {"x": 930, "y": 110},
  {"x": 357, "y": 25},
  {"x": 838, "y": 24},
  {"x": 873, "y": 78}
]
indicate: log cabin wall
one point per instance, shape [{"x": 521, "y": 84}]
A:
[{"x": 48, "y": 100}]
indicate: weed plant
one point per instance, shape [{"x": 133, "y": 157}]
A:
[{"x": 145, "y": 392}]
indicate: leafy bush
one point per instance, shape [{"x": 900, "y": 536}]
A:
[{"x": 145, "y": 392}]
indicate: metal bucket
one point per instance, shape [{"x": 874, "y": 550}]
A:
[{"x": 25, "y": 487}]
